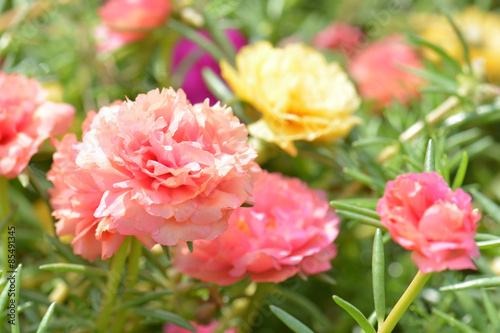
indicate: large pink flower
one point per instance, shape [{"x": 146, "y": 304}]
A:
[
  {"x": 379, "y": 71},
  {"x": 125, "y": 19},
  {"x": 424, "y": 215},
  {"x": 290, "y": 229},
  {"x": 339, "y": 36},
  {"x": 210, "y": 328},
  {"x": 160, "y": 169},
  {"x": 27, "y": 119}
]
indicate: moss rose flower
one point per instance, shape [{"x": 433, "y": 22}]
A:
[
  {"x": 300, "y": 95},
  {"x": 27, "y": 119},
  {"x": 424, "y": 215},
  {"x": 160, "y": 169},
  {"x": 290, "y": 229}
]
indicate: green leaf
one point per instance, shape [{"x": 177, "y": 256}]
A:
[
  {"x": 454, "y": 322},
  {"x": 145, "y": 298},
  {"x": 165, "y": 316},
  {"x": 190, "y": 246},
  {"x": 365, "y": 179},
  {"x": 492, "y": 281},
  {"x": 355, "y": 314},
  {"x": 465, "y": 48},
  {"x": 166, "y": 251},
  {"x": 490, "y": 308},
  {"x": 360, "y": 218},
  {"x": 488, "y": 205},
  {"x": 489, "y": 244},
  {"x": 4, "y": 296},
  {"x": 462, "y": 169},
  {"x": 378, "y": 269},
  {"x": 418, "y": 40},
  {"x": 355, "y": 209},
  {"x": 74, "y": 268},
  {"x": 294, "y": 324},
  {"x": 430, "y": 157},
  {"x": 46, "y": 318}
]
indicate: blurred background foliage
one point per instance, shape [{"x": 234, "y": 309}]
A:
[{"x": 53, "y": 41}]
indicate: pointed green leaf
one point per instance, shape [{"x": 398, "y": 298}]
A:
[
  {"x": 418, "y": 40},
  {"x": 46, "y": 318},
  {"x": 355, "y": 314},
  {"x": 365, "y": 179},
  {"x": 190, "y": 246},
  {"x": 4, "y": 296},
  {"x": 166, "y": 252},
  {"x": 488, "y": 205},
  {"x": 430, "y": 157},
  {"x": 294, "y": 324},
  {"x": 15, "y": 328},
  {"x": 454, "y": 322},
  {"x": 378, "y": 269},
  {"x": 465, "y": 48},
  {"x": 490, "y": 308},
  {"x": 355, "y": 209},
  {"x": 75, "y": 268},
  {"x": 492, "y": 281},
  {"x": 145, "y": 298},
  {"x": 489, "y": 244},
  {"x": 360, "y": 218},
  {"x": 165, "y": 316},
  {"x": 462, "y": 169}
]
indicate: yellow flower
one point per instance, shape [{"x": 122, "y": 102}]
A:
[
  {"x": 300, "y": 95},
  {"x": 481, "y": 32}
]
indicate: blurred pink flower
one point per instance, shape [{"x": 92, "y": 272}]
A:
[
  {"x": 339, "y": 36},
  {"x": 379, "y": 73},
  {"x": 157, "y": 168},
  {"x": 126, "y": 21},
  {"x": 187, "y": 51},
  {"x": 210, "y": 328},
  {"x": 290, "y": 229},
  {"x": 424, "y": 215},
  {"x": 27, "y": 119}
]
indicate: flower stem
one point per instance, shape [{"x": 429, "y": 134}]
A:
[
  {"x": 404, "y": 302},
  {"x": 110, "y": 293},
  {"x": 251, "y": 314},
  {"x": 4, "y": 213},
  {"x": 130, "y": 281}
]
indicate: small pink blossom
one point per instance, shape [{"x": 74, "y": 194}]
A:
[
  {"x": 379, "y": 71},
  {"x": 157, "y": 168},
  {"x": 126, "y": 21},
  {"x": 339, "y": 36},
  {"x": 27, "y": 119},
  {"x": 290, "y": 229},
  {"x": 210, "y": 328},
  {"x": 424, "y": 215}
]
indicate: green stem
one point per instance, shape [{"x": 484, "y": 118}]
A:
[
  {"x": 4, "y": 213},
  {"x": 404, "y": 302},
  {"x": 130, "y": 281},
  {"x": 111, "y": 291},
  {"x": 255, "y": 303}
]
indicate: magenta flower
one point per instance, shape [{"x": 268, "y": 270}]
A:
[
  {"x": 290, "y": 229},
  {"x": 157, "y": 168},
  {"x": 424, "y": 215},
  {"x": 192, "y": 82},
  {"x": 339, "y": 36},
  {"x": 27, "y": 119}
]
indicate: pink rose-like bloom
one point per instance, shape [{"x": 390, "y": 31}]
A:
[
  {"x": 27, "y": 119},
  {"x": 424, "y": 215},
  {"x": 210, "y": 328},
  {"x": 379, "y": 73},
  {"x": 339, "y": 36},
  {"x": 290, "y": 229},
  {"x": 157, "y": 168},
  {"x": 193, "y": 84},
  {"x": 124, "y": 19}
]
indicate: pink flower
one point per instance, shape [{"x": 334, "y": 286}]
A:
[
  {"x": 184, "y": 51},
  {"x": 339, "y": 36},
  {"x": 27, "y": 119},
  {"x": 157, "y": 168},
  {"x": 379, "y": 71},
  {"x": 424, "y": 215},
  {"x": 125, "y": 21},
  {"x": 290, "y": 229},
  {"x": 210, "y": 328}
]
